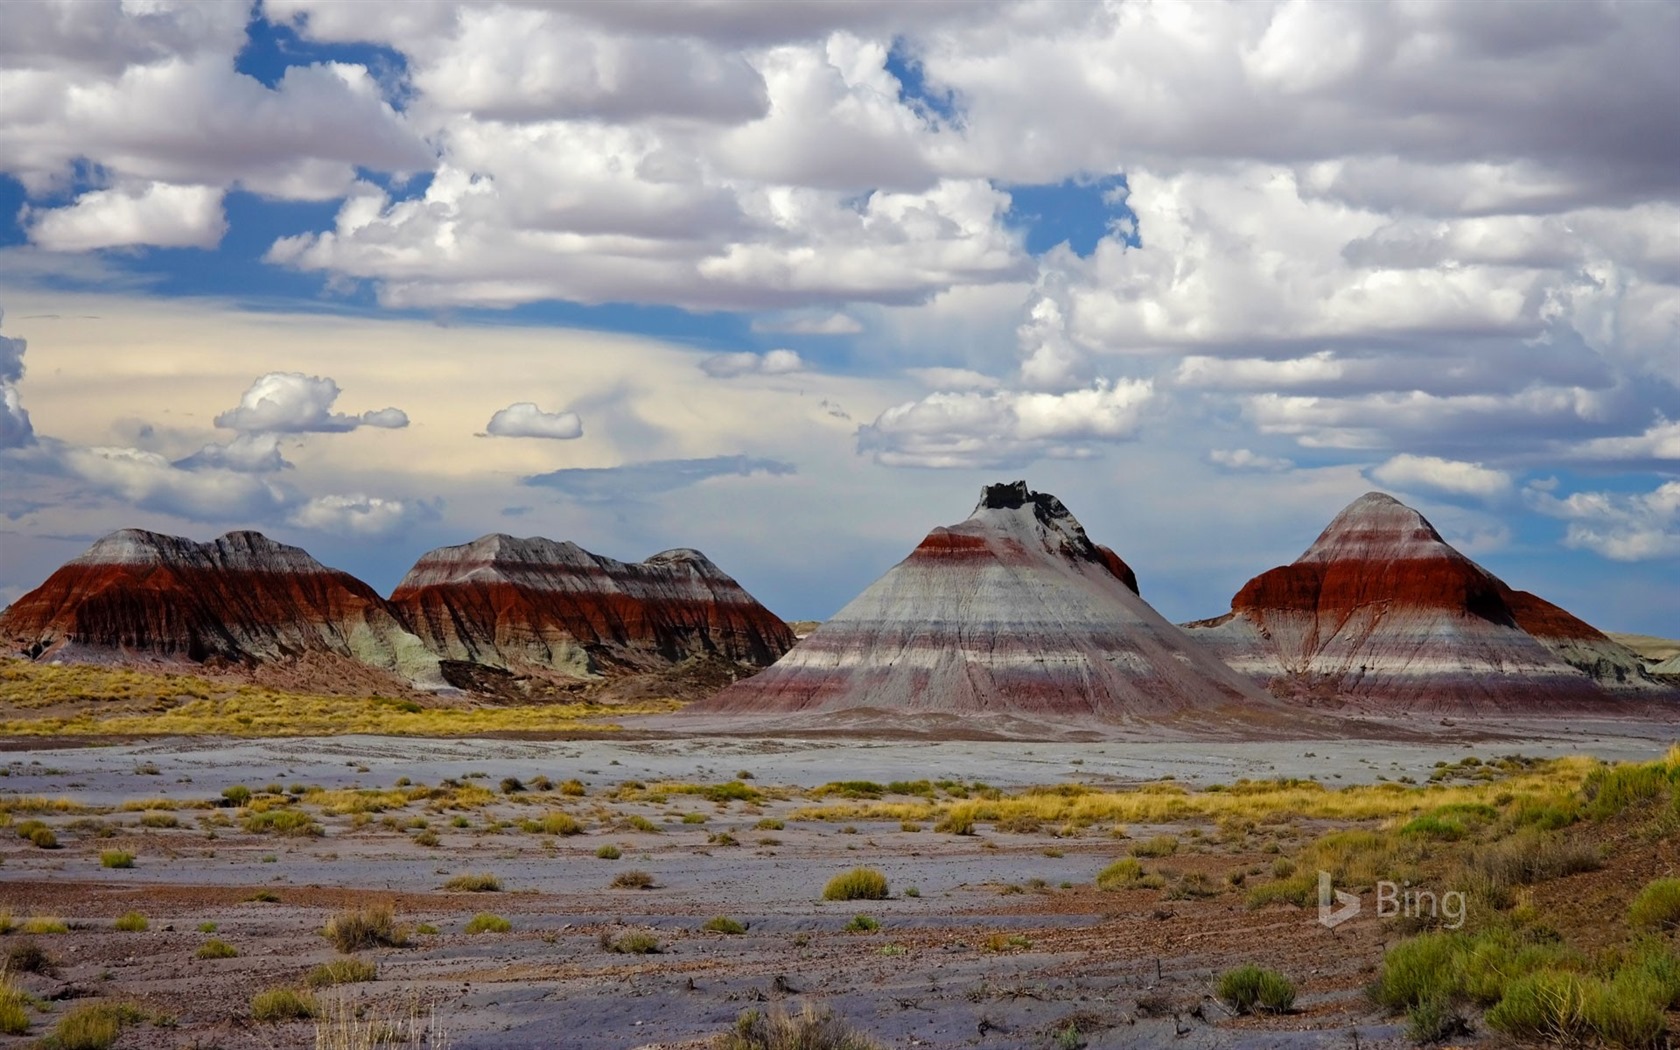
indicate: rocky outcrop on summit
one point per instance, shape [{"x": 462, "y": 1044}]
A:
[
  {"x": 1014, "y": 612},
  {"x": 538, "y": 604},
  {"x": 1381, "y": 608},
  {"x": 239, "y": 600}
]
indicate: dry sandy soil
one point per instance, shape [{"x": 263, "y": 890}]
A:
[{"x": 996, "y": 939}]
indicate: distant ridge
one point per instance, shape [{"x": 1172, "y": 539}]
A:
[{"x": 1381, "y": 608}]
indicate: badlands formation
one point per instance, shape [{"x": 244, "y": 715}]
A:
[
  {"x": 1381, "y": 609},
  {"x": 1013, "y": 612},
  {"x": 523, "y": 604},
  {"x": 240, "y": 600}
]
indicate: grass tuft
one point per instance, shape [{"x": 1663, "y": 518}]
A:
[
  {"x": 132, "y": 922},
  {"x": 488, "y": 922},
  {"x": 1254, "y": 989},
  {"x": 355, "y": 930},
  {"x": 283, "y": 1004},
  {"x": 216, "y": 949},
  {"x": 859, "y": 884},
  {"x": 810, "y": 1029},
  {"x": 116, "y": 858},
  {"x": 349, "y": 970},
  {"x": 723, "y": 924},
  {"x": 477, "y": 882},
  {"x": 634, "y": 879}
]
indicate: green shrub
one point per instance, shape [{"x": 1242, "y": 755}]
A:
[
  {"x": 94, "y": 1026},
  {"x": 159, "y": 820},
  {"x": 293, "y": 823},
  {"x": 608, "y": 851},
  {"x": 733, "y": 791},
  {"x": 863, "y": 924},
  {"x": 641, "y": 823},
  {"x": 723, "y": 924},
  {"x": 41, "y": 925},
  {"x": 634, "y": 942},
  {"x": 132, "y": 922},
  {"x": 694, "y": 818},
  {"x": 237, "y": 795},
  {"x": 1657, "y": 906},
  {"x": 1611, "y": 789},
  {"x": 1122, "y": 874},
  {"x": 956, "y": 823},
  {"x": 812, "y": 1029},
  {"x": 488, "y": 922},
  {"x": 475, "y": 882},
  {"x": 14, "y": 1010},
  {"x": 116, "y": 858},
  {"x": 349, "y": 970},
  {"x": 559, "y": 823},
  {"x": 283, "y": 1004},
  {"x": 1434, "y": 1021},
  {"x": 1251, "y": 989},
  {"x": 216, "y": 949},
  {"x": 1433, "y": 826},
  {"x": 43, "y": 838},
  {"x": 634, "y": 879},
  {"x": 355, "y": 930},
  {"x": 573, "y": 788},
  {"x": 1159, "y": 846},
  {"x": 770, "y": 824},
  {"x": 859, "y": 884}
]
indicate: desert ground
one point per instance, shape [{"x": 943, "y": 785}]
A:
[{"x": 644, "y": 892}]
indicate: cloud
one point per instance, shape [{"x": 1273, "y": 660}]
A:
[
  {"x": 809, "y": 323},
  {"x": 257, "y": 453},
  {"x": 360, "y": 515},
  {"x": 973, "y": 429},
  {"x": 525, "y": 419},
  {"x": 1660, "y": 441},
  {"x": 1242, "y": 459},
  {"x": 149, "y": 481},
  {"x": 1623, "y": 527},
  {"x": 1407, "y": 471},
  {"x": 954, "y": 379},
  {"x": 771, "y": 363},
  {"x": 154, "y": 214},
  {"x": 636, "y": 480},
  {"x": 294, "y": 403},
  {"x": 15, "y": 429}
]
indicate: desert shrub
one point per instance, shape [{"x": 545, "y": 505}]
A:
[
  {"x": 1435, "y": 1020},
  {"x": 1609, "y": 790},
  {"x": 132, "y": 922},
  {"x": 770, "y": 824},
  {"x": 43, "y": 838},
  {"x": 811, "y": 1029},
  {"x": 159, "y": 820},
  {"x": 349, "y": 970},
  {"x": 723, "y": 924},
  {"x": 635, "y": 942},
  {"x": 1122, "y": 874},
  {"x": 427, "y": 838},
  {"x": 1527, "y": 857},
  {"x": 859, "y": 884},
  {"x": 608, "y": 851},
  {"x": 488, "y": 922},
  {"x": 733, "y": 791},
  {"x": 573, "y": 788},
  {"x": 116, "y": 858},
  {"x": 641, "y": 823},
  {"x": 14, "y": 1009},
  {"x": 237, "y": 795},
  {"x": 512, "y": 785},
  {"x": 723, "y": 838},
  {"x": 474, "y": 882},
  {"x": 216, "y": 949},
  {"x": 1433, "y": 826},
  {"x": 558, "y": 823},
  {"x": 293, "y": 823},
  {"x": 283, "y": 1004},
  {"x": 863, "y": 924},
  {"x": 634, "y": 879},
  {"x": 1252, "y": 988},
  {"x": 694, "y": 818},
  {"x": 27, "y": 957},
  {"x": 357, "y": 929},
  {"x": 1657, "y": 906},
  {"x": 1159, "y": 846},
  {"x": 262, "y": 897},
  {"x": 41, "y": 925},
  {"x": 94, "y": 1026},
  {"x": 956, "y": 821}
]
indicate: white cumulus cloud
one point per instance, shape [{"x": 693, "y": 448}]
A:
[
  {"x": 1247, "y": 459},
  {"x": 525, "y": 419},
  {"x": 1624, "y": 527},
  {"x": 1407, "y": 471},
  {"x": 358, "y": 515},
  {"x": 771, "y": 363},
  {"x": 155, "y": 214},
  {"x": 972, "y": 429},
  {"x": 294, "y": 403}
]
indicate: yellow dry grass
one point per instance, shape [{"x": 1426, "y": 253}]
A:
[
  {"x": 1162, "y": 803},
  {"x": 210, "y": 710}
]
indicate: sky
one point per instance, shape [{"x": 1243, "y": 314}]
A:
[{"x": 789, "y": 282}]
